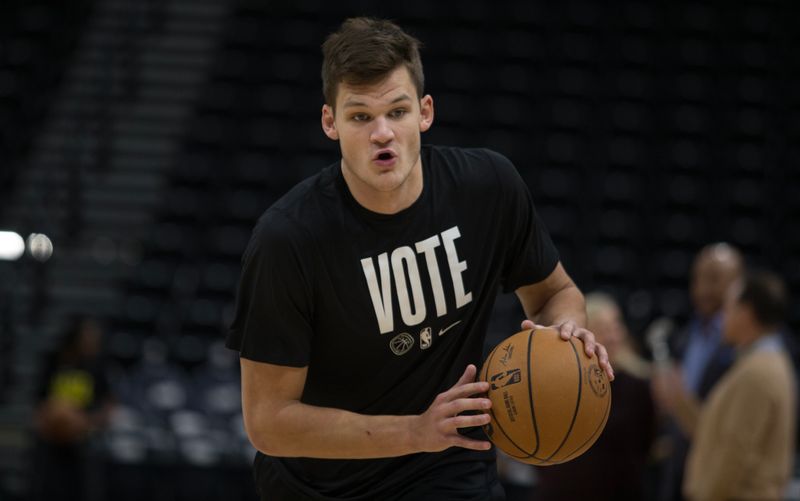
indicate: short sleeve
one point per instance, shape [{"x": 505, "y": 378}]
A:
[
  {"x": 272, "y": 320},
  {"x": 530, "y": 255}
]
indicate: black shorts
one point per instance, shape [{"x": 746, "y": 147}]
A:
[{"x": 472, "y": 481}]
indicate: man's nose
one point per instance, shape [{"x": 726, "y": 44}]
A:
[{"x": 381, "y": 133}]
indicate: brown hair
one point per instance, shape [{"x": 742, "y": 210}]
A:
[
  {"x": 766, "y": 293},
  {"x": 363, "y": 51}
]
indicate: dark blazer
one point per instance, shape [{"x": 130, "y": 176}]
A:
[
  {"x": 718, "y": 364},
  {"x": 720, "y": 361}
]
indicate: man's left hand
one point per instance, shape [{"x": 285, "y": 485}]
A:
[{"x": 569, "y": 329}]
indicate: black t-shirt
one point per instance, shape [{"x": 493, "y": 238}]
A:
[{"x": 385, "y": 310}]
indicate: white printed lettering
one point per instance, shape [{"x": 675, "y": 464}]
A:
[
  {"x": 381, "y": 297},
  {"x": 456, "y": 267},
  {"x": 404, "y": 267},
  {"x": 427, "y": 247},
  {"x": 411, "y": 316}
]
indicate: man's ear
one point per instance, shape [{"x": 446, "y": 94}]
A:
[
  {"x": 425, "y": 113},
  {"x": 328, "y": 123}
]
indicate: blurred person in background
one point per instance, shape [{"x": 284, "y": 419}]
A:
[
  {"x": 73, "y": 402},
  {"x": 744, "y": 433},
  {"x": 613, "y": 468},
  {"x": 702, "y": 358}
]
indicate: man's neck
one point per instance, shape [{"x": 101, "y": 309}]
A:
[{"x": 386, "y": 202}]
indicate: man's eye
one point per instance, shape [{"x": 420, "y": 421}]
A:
[
  {"x": 360, "y": 117},
  {"x": 399, "y": 113}
]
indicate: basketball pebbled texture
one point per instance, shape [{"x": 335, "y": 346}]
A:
[{"x": 550, "y": 401}]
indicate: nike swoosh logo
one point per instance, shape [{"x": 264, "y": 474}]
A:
[{"x": 442, "y": 332}]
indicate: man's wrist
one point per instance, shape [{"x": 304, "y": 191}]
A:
[
  {"x": 577, "y": 320},
  {"x": 411, "y": 426}
]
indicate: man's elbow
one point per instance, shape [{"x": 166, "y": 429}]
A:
[
  {"x": 265, "y": 440},
  {"x": 266, "y": 436}
]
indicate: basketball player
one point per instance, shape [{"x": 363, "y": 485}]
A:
[{"x": 367, "y": 289}]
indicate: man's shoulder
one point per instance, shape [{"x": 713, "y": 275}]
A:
[
  {"x": 479, "y": 166},
  {"x": 766, "y": 367},
  {"x": 303, "y": 202},
  {"x": 757, "y": 377},
  {"x": 290, "y": 219},
  {"x": 471, "y": 157},
  {"x": 306, "y": 193}
]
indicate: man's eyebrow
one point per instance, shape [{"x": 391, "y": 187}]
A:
[
  {"x": 404, "y": 97},
  {"x": 350, "y": 103}
]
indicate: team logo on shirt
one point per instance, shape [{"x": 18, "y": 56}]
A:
[
  {"x": 442, "y": 332},
  {"x": 425, "y": 338},
  {"x": 401, "y": 343}
]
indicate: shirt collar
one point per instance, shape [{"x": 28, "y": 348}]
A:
[
  {"x": 712, "y": 329},
  {"x": 767, "y": 342}
]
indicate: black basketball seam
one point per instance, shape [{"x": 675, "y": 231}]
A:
[
  {"x": 494, "y": 418},
  {"x": 530, "y": 395},
  {"x": 542, "y": 461},
  {"x": 577, "y": 402},
  {"x": 580, "y": 381},
  {"x": 597, "y": 430},
  {"x": 530, "y": 399},
  {"x": 572, "y": 455}
]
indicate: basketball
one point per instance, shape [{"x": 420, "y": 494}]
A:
[{"x": 550, "y": 401}]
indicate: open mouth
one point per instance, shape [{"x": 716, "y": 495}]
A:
[{"x": 385, "y": 156}]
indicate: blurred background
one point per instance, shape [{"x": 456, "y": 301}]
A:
[{"x": 141, "y": 140}]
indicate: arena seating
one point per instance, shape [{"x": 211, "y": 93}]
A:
[
  {"x": 643, "y": 130},
  {"x": 36, "y": 39}
]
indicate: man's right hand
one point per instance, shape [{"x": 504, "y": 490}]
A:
[{"x": 437, "y": 428}]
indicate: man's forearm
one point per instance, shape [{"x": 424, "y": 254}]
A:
[
  {"x": 557, "y": 301},
  {"x": 301, "y": 430},
  {"x": 565, "y": 305},
  {"x": 554, "y": 300},
  {"x": 279, "y": 424}
]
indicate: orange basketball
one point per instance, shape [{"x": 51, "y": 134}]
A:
[{"x": 550, "y": 402}]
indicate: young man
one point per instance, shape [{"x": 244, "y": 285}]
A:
[
  {"x": 743, "y": 445},
  {"x": 366, "y": 292}
]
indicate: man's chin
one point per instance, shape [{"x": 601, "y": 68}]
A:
[{"x": 389, "y": 181}]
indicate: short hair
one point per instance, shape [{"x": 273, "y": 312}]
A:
[
  {"x": 766, "y": 293},
  {"x": 363, "y": 51}
]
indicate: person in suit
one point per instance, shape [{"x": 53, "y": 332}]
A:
[
  {"x": 700, "y": 357},
  {"x": 743, "y": 435}
]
